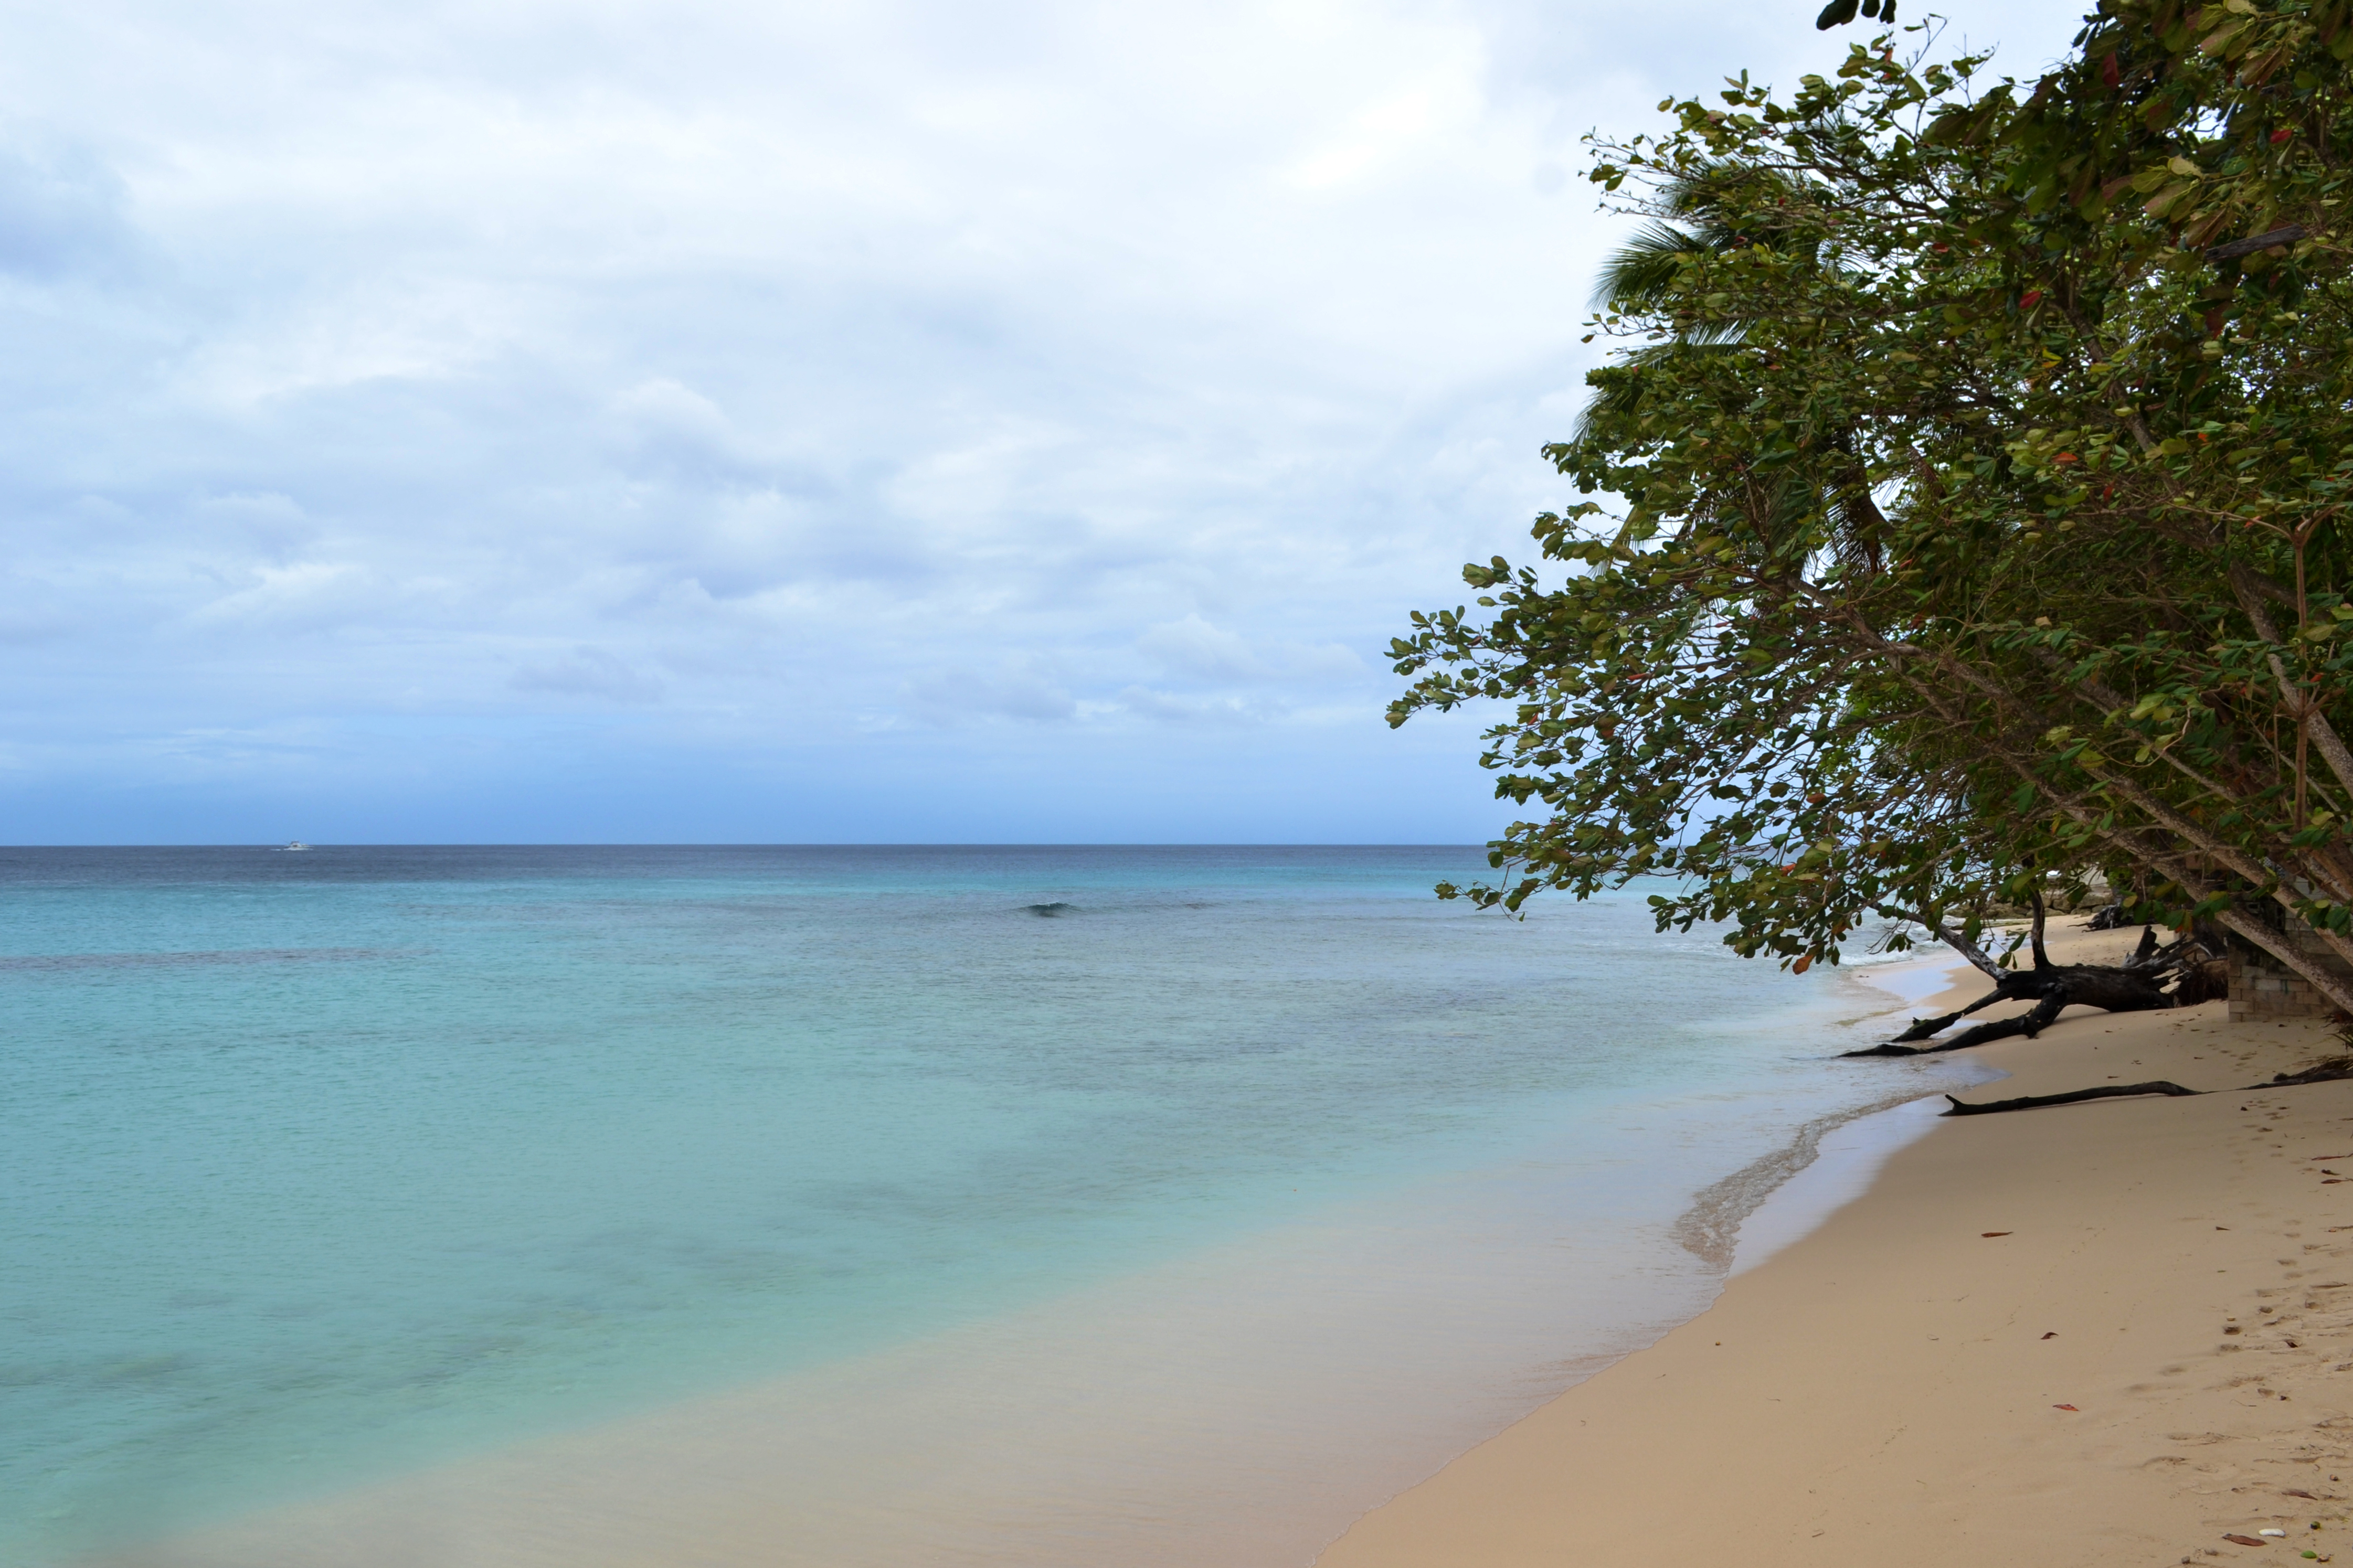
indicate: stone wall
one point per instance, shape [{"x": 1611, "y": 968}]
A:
[{"x": 2261, "y": 988}]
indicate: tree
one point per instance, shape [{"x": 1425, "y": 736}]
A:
[
  {"x": 1973, "y": 522},
  {"x": 1839, "y": 13}
]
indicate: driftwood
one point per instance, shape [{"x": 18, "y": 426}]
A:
[
  {"x": 2035, "y": 1102},
  {"x": 2135, "y": 986},
  {"x": 2333, "y": 1070},
  {"x": 2053, "y": 989},
  {"x": 2329, "y": 1071}
]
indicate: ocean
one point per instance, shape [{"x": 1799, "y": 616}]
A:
[{"x": 1019, "y": 1205}]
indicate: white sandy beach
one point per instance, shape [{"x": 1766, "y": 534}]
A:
[{"x": 2115, "y": 1332}]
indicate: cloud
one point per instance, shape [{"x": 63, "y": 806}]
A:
[
  {"x": 961, "y": 695},
  {"x": 306, "y": 593},
  {"x": 1381, "y": 133},
  {"x": 671, "y": 432},
  {"x": 24, "y": 627},
  {"x": 1181, "y": 708},
  {"x": 1064, "y": 387},
  {"x": 586, "y": 671},
  {"x": 62, "y": 216},
  {"x": 1195, "y": 649}
]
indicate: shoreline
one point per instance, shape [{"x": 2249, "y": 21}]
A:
[
  {"x": 2009, "y": 1347},
  {"x": 1765, "y": 1206}
]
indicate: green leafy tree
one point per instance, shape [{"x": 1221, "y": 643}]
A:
[{"x": 1968, "y": 485}]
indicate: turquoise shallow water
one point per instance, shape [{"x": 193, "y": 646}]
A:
[{"x": 318, "y": 1167}]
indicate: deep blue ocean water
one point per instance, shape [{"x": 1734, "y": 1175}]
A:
[{"x": 316, "y": 1167}]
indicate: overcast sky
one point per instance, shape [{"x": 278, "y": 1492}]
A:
[{"x": 775, "y": 421}]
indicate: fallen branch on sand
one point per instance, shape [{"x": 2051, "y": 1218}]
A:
[
  {"x": 2034, "y": 1101},
  {"x": 2137, "y": 986},
  {"x": 2330, "y": 1071}
]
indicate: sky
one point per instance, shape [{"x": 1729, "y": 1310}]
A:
[{"x": 703, "y": 421}]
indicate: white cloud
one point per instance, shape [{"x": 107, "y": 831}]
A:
[
  {"x": 759, "y": 380},
  {"x": 586, "y": 671},
  {"x": 960, "y": 695},
  {"x": 313, "y": 591},
  {"x": 1193, "y": 649},
  {"x": 61, "y": 215},
  {"x": 1193, "y": 646}
]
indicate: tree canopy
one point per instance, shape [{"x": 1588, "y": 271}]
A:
[{"x": 1968, "y": 485}]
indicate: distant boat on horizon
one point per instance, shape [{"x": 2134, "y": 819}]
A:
[{"x": 292, "y": 844}]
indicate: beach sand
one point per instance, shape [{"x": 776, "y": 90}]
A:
[{"x": 2114, "y": 1333}]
